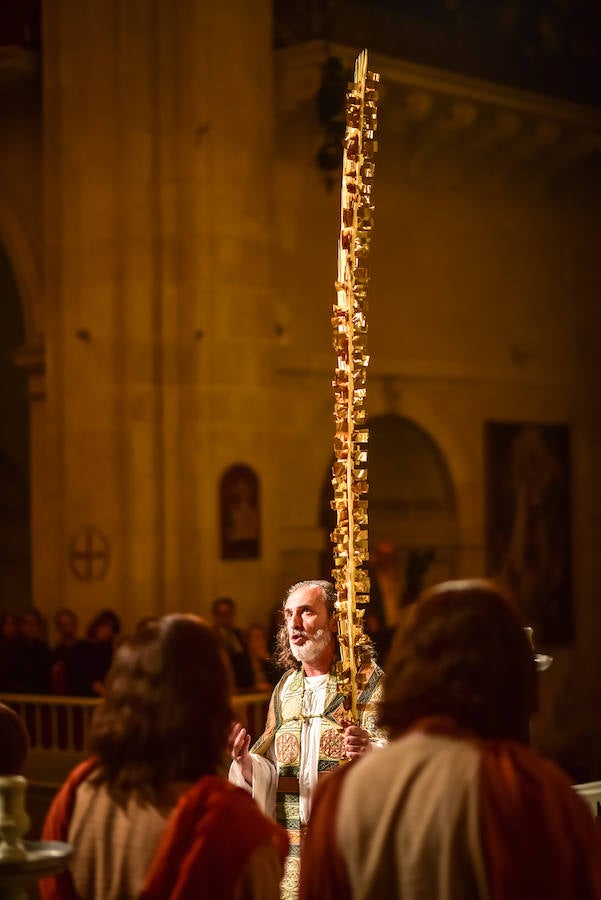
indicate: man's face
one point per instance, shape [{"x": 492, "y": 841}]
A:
[
  {"x": 104, "y": 633},
  {"x": 224, "y": 616},
  {"x": 308, "y": 624},
  {"x": 9, "y": 628},
  {"x": 66, "y": 626},
  {"x": 29, "y": 626}
]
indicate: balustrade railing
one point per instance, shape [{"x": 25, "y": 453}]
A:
[{"x": 58, "y": 728}]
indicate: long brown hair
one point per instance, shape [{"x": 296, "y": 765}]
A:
[
  {"x": 167, "y": 709},
  {"x": 283, "y": 657},
  {"x": 464, "y": 654}
]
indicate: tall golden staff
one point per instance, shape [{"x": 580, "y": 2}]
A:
[{"x": 349, "y": 472}]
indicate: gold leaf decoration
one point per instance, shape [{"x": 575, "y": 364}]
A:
[{"x": 349, "y": 323}]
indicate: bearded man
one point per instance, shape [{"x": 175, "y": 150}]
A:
[{"x": 307, "y": 731}]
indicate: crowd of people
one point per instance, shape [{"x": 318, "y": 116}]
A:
[
  {"x": 73, "y": 665},
  {"x": 77, "y": 666},
  {"x": 248, "y": 651},
  {"x": 442, "y": 796}
]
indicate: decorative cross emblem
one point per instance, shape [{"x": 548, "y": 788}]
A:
[{"x": 89, "y": 554}]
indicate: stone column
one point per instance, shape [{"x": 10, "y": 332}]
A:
[{"x": 158, "y": 152}]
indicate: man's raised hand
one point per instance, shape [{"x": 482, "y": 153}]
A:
[{"x": 239, "y": 746}]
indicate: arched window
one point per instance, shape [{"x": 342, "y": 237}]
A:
[{"x": 413, "y": 531}]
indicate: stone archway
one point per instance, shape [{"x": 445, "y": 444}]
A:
[
  {"x": 20, "y": 248},
  {"x": 412, "y": 507},
  {"x": 15, "y": 554},
  {"x": 23, "y": 350}
]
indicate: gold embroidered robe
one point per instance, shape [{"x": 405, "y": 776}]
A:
[{"x": 283, "y": 732}]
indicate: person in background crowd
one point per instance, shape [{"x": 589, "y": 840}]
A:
[
  {"x": 37, "y": 625},
  {"x": 67, "y": 625},
  {"x": 457, "y": 806},
  {"x": 148, "y": 816},
  {"x": 14, "y": 742},
  {"x": 265, "y": 675},
  {"x": 65, "y": 651},
  {"x": 89, "y": 660},
  {"x": 307, "y": 732},
  {"x": 232, "y": 638},
  {"x": 9, "y": 653},
  {"x": 9, "y": 628},
  {"x": 105, "y": 627},
  {"x": 103, "y": 633},
  {"x": 33, "y": 658}
]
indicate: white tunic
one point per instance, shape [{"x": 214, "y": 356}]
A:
[{"x": 266, "y": 769}]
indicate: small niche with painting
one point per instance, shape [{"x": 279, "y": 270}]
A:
[{"x": 240, "y": 510}]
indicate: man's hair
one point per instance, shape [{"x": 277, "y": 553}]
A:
[
  {"x": 328, "y": 589},
  {"x": 463, "y": 653},
  {"x": 223, "y": 601},
  {"x": 283, "y": 657},
  {"x": 166, "y": 713},
  {"x": 65, "y": 611},
  {"x": 104, "y": 617}
]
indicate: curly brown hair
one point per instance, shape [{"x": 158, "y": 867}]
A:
[
  {"x": 283, "y": 658},
  {"x": 463, "y": 653},
  {"x": 166, "y": 713}
]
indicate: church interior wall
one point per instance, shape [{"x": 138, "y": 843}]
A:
[
  {"x": 22, "y": 314},
  {"x": 482, "y": 308},
  {"x": 186, "y": 314}
]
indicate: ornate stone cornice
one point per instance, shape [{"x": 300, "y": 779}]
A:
[{"x": 458, "y": 128}]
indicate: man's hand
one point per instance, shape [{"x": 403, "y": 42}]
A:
[
  {"x": 356, "y": 741},
  {"x": 239, "y": 744}
]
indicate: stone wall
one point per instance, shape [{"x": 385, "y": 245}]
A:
[{"x": 189, "y": 254}]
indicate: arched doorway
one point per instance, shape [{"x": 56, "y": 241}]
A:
[
  {"x": 15, "y": 554},
  {"x": 413, "y": 527}
]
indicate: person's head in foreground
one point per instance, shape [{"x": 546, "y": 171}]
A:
[
  {"x": 457, "y": 806},
  {"x": 464, "y": 654},
  {"x": 166, "y": 713},
  {"x": 14, "y": 742},
  {"x": 148, "y": 815}
]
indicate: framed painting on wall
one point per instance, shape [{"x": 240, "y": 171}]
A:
[
  {"x": 528, "y": 534},
  {"x": 240, "y": 513}
]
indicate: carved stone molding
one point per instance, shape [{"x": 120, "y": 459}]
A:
[
  {"x": 492, "y": 142},
  {"x": 457, "y": 129}
]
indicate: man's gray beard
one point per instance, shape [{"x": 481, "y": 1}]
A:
[{"x": 313, "y": 646}]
